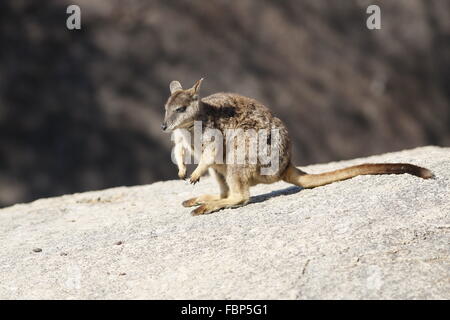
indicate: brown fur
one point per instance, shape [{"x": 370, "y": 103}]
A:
[{"x": 231, "y": 111}]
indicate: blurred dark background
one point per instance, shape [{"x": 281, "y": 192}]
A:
[{"x": 81, "y": 110}]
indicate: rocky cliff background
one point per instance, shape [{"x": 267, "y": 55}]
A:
[{"x": 80, "y": 110}]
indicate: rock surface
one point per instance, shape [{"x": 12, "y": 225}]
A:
[{"x": 371, "y": 237}]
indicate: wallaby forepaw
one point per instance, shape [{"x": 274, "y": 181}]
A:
[
  {"x": 194, "y": 179},
  {"x": 182, "y": 174}
]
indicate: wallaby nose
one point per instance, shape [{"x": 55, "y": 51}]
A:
[{"x": 164, "y": 127}]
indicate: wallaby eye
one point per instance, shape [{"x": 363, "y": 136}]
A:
[{"x": 181, "y": 109}]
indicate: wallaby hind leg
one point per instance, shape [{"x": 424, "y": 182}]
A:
[
  {"x": 224, "y": 189},
  {"x": 238, "y": 195}
]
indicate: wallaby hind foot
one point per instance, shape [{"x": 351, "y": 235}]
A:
[
  {"x": 233, "y": 201},
  {"x": 200, "y": 200}
]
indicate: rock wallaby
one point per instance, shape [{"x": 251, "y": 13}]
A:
[{"x": 224, "y": 111}]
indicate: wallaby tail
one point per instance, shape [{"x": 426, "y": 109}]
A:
[{"x": 305, "y": 180}]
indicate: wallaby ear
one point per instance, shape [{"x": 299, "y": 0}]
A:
[
  {"x": 197, "y": 85},
  {"x": 175, "y": 86}
]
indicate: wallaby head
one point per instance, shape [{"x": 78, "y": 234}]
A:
[{"x": 182, "y": 107}]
